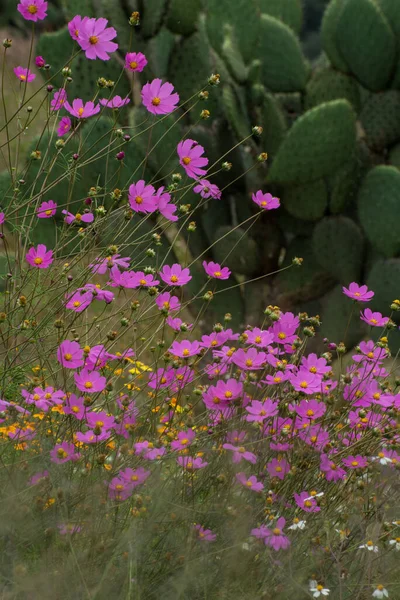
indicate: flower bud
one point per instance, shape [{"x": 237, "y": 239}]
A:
[
  {"x": 119, "y": 132},
  {"x": 7, "y": 43},
  {"x": 205, "y": 114},
  {"x": 60, "y": 144},
  {"x": 203, "y": 95},
  {"x": 208, "y": 296},
  {"x": 176, "y": 177},
  {"x": 192, "y": 226},
  {"x": 50, "y": 88},
  {"x": 66, "y": 72},
  {"x": 257, "y": 130},
  {"x": 395, "y": 305},
  {"x": 120, "y": 155},
  {"x": 341, "y": 348},
  {"x": 101, "y": 82},
  {"x": 297, "y": 262},
  {"x": 36, "y": 155},
  {"x": 134, "y": 19},
  {"x": 214, "y": 79},
  {"x": 226, "y": 166},
  {"x": 262, "y": 157}
]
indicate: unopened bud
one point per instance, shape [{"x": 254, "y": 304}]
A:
[
  {"x": 257, "y": 130},
  {"x": 192, "y": 226},
  {"x": 60, "y": 144},
  {"x": 36, "y": 155},
  {"x": 341, "y": 348},
  {"x": 226, "y": 166},
  {"x": 205, "y": 114},
  {"x": 262, "y": 157},
  {"x": 204, "y": 95},
  {"x": 208, "y": 296},
  {"x": 297, "y": 261},
  {"x": 134, "y": 19},
  {"x": 7, "y": 43},
  {"x": 66, "y": 72},
  {"x": 214, "y": 79}
]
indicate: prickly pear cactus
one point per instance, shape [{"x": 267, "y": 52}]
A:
[
  {"x": 308, "y": 202},
  {"x": 289, "y": 12},
  {"x": 329, "y": 84},
  {"x": 380, "y": 119}
]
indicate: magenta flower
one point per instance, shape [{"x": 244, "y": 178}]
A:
[
  {"x": 278, "y": 467},
  {"x": 134, "y": 477},
  {"x": 64, "y": 126},
  {"x": 75, "y": 406},
  {"x": 142, "y": 197},
  {"x": 284, "y": 329},
  {"x": 70, "y": 355},
  {"x": 185, "y": 438},
  {"x": 82, "y": 110},
  {"x": 168, "y": 303},
  {"x": 135, "y": 62},
  {"x": 215, "y": 270},
  {"x": 95, "y": 39},
  {"x": 259, "y": 411},
  {"x": 185, "y": 348},
  {"x": 191, "y": 464},
  {"x": 315, "y": 365},
  {"x": 375, "y": 319},
  {"x": 37, "y": 477},
  {"x": 100, "y": 265},
  {"x": 75, "y": 27},
  {"x": 78, "y": 218},
  {"x": 249, "y": 359},
  {"x": 24, "y": 74},
  {"x": 356, "y": 292},
  {"x": 273, "y": 537},
  {"x": 40, "y": 62},
  {"x": 40, "y": 257},
  {"x": 239, "y": 453},
  {"x": 33, "y": 10},
  {"x": 265, "y": 201},
  {"x": 2, "y": 218},
  {"x": 205, "y": 535},
  {"x": 47, "y": 210},
  {"x": 369, "y": 353},
  {"x": 190, "y": 157},
  {"x": 306, "y": 502},
  {"x": 79, "y": 301},
  {"x": 259, "y": 337},
  {"x": 143, "y": 280},
  {"x": 250, "y": 482},
  {"x": 306, "y": 382},
  {"x": 175, "y": 275},
  {"x": 314, "y": 435},
  {"x": 63, "y": 453},
  {"x": 158, "y": 98},
  {"x": 100, "y": 421},
  {"x": 58, "y": 100},
  {"x": 355, "y": 462},
  {"x": 310, "y": 409},
  {"x": 89, "y": 381},
  {"x": 165, "y": 206},
  {"x": 207, "y": 189},
  {"x": 332, "y": 471},
  {"x": 162, "y": 378},
  {"x": 116, "y": 102}
]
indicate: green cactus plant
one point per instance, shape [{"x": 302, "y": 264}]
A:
[
  {"x": 182, "y": 16},
  {"x": 329, "y": 27},
  {"x": 338, "y": 247},
  {"x": 289, "y": 12},
  {"x": 318, "y": 143},
  {"x": 380, "y": 119},
  {"x": 273, "y": 122},
  {"x": 328, "y": 84},
  {"x": 284, "y": 68},
  {"x": 235, "y": 249},
  {"x": 378, "y": 209},
  {"x": 307, "y": 202}
]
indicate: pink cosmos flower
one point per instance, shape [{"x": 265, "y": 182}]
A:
[
  {"x": 40, "y": 62},
  {"x": 165, "y": 206},
  {"x": 276, "y": 379},
  {"x": 284, "y": 329},
  {"x": 89, "y": 381},
  {"x": 273, "y": 537},
  {"x": 75, "y": 406},
  {"x": 185, "y": 348},
  {"x": 79, "y": 301},
  {"x": 215, "y": 270},
  {"x": 205, "y": 535},
  {"x": 310, "y": 409},
  {"x": 100, "y": 421},
  {"x": 97, "y": 357},
  {"x": 63, "y": 453},
  {"x": 143, "y": 280},
  {"x": 126, "y": 280},
  {"x": 135, "y": 62},
  {"x": 306, "y": 382},
  {"x": 375, "y": 319},
  {"x": 100, "y": 265},
  {"x": 175, "y": 275},
  {"x": 355, "y": 462},
  {"x": 207, "y": 189},
  {"x": 24, "y": 74},
  {"x": 78, "y": 218},
  {"x": 259, "y": 411},
  {"x": 216, "y": 339},
  {"x": 116, "y": 102},
  {"x": 75, "y": 27},
  {"x": 64, "y": 126},
  {"x": 158, "y": 98},
  {"x": 185, "y": 438},
  {"x": 40, "y": 257},
  {"x": 315, "y": 365},
  {"x": 82, "y": 110},
  {"x": 314, "y": 435},
  {"x": 259, "y": 337},
  {"x": 332, "y": 471},
  {"x": 2, "y": 218},
  {"x": 119, "y": 489},
  {"x": 356, "y": 292},
  {"x": 265, "y": 201},
  {"x": 249, "y": 359},
  {"x": 278, "y": 467},
  {"x": 134, "y": 477},
  {"x": 95, "y": 39},
  {"x": 239, "y": 453},
  {"x": 369, "y": 353},
  {"x": 250, "y": 482},
  {"x": 228, "y": 391},
  {"x": 306, "y": 502},
  {"x": 166, "y": 302},
  {"x": 33, "y": 10},
  {"x": 148, "y": 451},
  {"x": 70, "y": 355},
  {"x": 58, "y": 100},
  {"x": 142, "y": 197},
  {"x": 190, "y": 463},
  {"x": 37, "y": 477},
  {"x": 190, "y": 157},
  {"x": 162, "y": 378},
  {"x": 46, "y": 210}
]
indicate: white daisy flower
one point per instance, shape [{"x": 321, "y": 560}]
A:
[{"x": 380, "y": 592}]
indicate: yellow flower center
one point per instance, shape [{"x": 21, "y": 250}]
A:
[
  {"x": 228, "y": 394},
  {"x": 78, "y": 216},
  {"x": 38, "y": 260},
  {"x": 186, "y": 352},
  {"x": 276, "y": 531},
  {"x": 99, "y": 424},
  {"x": 249, "y": 484},
  {"x": 61, "y": 453},
  {"x": 174, "y": 279},
  {"x": 357, "y": 294},
  {"x": 48, "y": 212},
  {"x": 67, "y": 356},
  {"x": 308, "y": 503},
  {"x": 134, "y": 478},
  {"x": 142, "y": 282},
  {"x": 139, "y": 200},
  {"x": 184, "y": 441},
  {"x": 278, "y": 469},
  {"x": 88, "y": 385},
  {"x": 258, "y": 340},
  {"x": 93, "y": 40},
  {"x": 36, "y": 397},
  {"x": 75, "y": 409},
  {"x": 217, "y": 273},
  {"x": 277, "y": 379},
  {"x": 374, "y": 321},
  {"x": 354, "y": 463},
  {"x": 77, "y": 304},
  {"x": 281, "y": 335},
  {"x": 80, "y": 111},
  {"x": 370, "y": 355},
  {"x": 313, "y": 369},
  {"x": 186, "y": 160},
  {"x": 156, "y": 101},
  {"x": 32, "y": 9},
  {"x": 310, "y": 413},
  {"x": 304, "y": 385},
  {"x": 216, "y": 400},
  {"x": 320, "y": 587},
  {"x": 133, "y": 64},
  {"x": 249, "y": 362}
]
